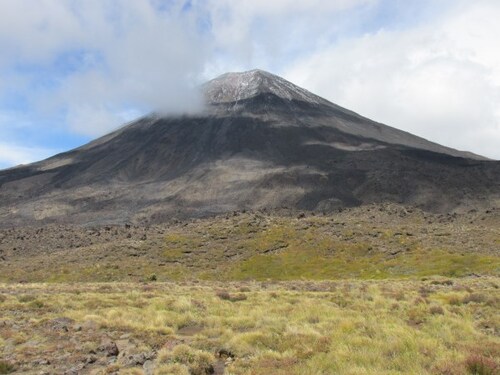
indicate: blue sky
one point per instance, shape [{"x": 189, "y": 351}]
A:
[{"x": 74, "y": 70}]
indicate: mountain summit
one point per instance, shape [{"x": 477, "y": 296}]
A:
[
  {"x": 261, "y": 91},
  {"x": 261, "y": 142},
  {"x": 234, "y": 87}
]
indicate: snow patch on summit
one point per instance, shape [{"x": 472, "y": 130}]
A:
[{"x": 233, "y": 87}]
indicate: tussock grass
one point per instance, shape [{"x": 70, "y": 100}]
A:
[{"x": 299, "y": 327}]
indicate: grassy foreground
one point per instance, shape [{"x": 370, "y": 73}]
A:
[{"x": 427, "y": 326}]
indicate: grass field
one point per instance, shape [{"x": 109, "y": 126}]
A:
[
  {"x": 436, "y": 325},
  {"x": 374, "y": 290}
]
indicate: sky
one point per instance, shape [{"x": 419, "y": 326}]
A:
[{"x": 71, "y": 71}]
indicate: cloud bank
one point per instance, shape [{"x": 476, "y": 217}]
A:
[
  {"x": 439, "y": 80},
  {"x": 95, "y": 59}
]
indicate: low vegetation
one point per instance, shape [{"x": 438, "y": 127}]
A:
[
  {"x": 427, "y": 326},
  {"x": 378, "y": 290},
  {"x": 378, "y": 242}
]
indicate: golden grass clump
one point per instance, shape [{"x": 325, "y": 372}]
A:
[
  {"x": 197, "y": 362},
  {"x": 293, "y": 327}
]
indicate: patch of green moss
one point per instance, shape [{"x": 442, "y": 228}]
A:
[{"x": 352, "y": 263}]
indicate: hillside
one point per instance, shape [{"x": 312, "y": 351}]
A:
[
  {"x": 261, "y": 142},
  {"x": 373, "y": 242}
]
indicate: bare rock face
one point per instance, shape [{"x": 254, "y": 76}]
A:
[{"x": 261, "y": 142}]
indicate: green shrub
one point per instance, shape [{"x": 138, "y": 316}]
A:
[
  {"x": 6, "y": 368},
  {"x": 436, "y": 310},
  {"x": 26, "y": 298},
  {"x": 37, "y": 304}
]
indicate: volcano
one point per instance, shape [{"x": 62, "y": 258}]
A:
[{"x": 260, "y": 143}]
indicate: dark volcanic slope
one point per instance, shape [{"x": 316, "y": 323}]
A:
[{"x": 261, "y": 143}]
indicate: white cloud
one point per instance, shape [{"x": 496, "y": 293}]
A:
[
  {"x": 35, "y": 30},
  {"x": 440, "y": 80},
  {"x": 118, "y": 56},
  {"x": 15, "y": 150},
  {"x": 11, "y": 154},
  {"x": 270, "y": 34},
  {"x": 91, "y": 120}
]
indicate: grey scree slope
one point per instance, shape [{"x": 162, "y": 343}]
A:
[{"x": 261, "y": 142}]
